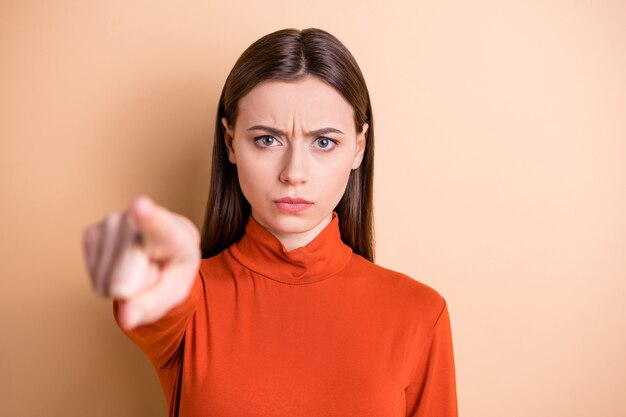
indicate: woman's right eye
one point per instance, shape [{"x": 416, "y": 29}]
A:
[{"x": 265, "y": 141}]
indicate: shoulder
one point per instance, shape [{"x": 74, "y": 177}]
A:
[
  {"x": 220, "y": 267},
  {"x": 408, "y": 292}
]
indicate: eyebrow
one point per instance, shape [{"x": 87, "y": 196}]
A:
[{"x": 279, "y": 132}]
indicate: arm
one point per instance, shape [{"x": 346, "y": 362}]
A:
[
  {"x": 161, "y": 340},
  {"x": 432, "y": 389}
]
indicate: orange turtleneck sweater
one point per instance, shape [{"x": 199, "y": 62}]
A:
[{"x": 316, "y": 331}]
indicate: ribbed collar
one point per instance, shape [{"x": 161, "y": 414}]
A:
[{"x": 262, "y": 252}]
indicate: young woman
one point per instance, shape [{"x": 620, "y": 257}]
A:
[{"x": 277, "y": 308}]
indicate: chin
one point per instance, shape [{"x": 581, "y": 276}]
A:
[{"x": 291, "y": 222}]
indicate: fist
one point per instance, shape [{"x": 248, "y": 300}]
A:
[{"x": 146, "y": 256}]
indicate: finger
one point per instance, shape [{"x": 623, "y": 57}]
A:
[
  {"x": 130, "y": 275},
  {"x": 161, "y": 236},
  {"x": 171, "y": 289},
  {"x": 109, "y": 241},
  {"x": 129, "y": 270},
  {"x": 91, "y": 247},
  {"x": 155, "y": 224}
]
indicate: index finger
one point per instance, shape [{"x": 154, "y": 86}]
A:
[{"x": 159, "y": 233}]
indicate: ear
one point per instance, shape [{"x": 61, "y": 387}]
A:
[
  {"x": 228, "y": 139},
  {"x": 360, "y": 147}
]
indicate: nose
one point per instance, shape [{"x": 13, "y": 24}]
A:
[{"x": 295, "y": 170}]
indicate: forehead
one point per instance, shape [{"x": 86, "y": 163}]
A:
[{"x": 308, "y": 101}]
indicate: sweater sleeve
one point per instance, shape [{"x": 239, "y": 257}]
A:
[
  {"x": 161, "y": 340},
  {"x": 432, "y": 389}
]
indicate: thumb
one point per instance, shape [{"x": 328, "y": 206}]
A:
[{"x": 155, "y": 224}]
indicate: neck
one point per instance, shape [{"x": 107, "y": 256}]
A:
[{"x": 294, "y": 240}]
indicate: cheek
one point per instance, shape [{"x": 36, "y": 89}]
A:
[
  {"x": 334, "y": 175},
  {"x": 254, "y": 178},
  {"x": 247, "y": 180}
]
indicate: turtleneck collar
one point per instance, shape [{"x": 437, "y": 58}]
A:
[{"x": 262, "y": 252}]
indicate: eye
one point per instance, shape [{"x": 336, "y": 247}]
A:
[
  {"x": 265, "y": 141},
  {"x": 326, "y": 144}
]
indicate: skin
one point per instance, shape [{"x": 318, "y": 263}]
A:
[{"x": 295, "y": 164}]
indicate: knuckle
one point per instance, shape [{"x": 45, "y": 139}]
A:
[
  {"x": 123, "y": 218},
  {"x": 87, "y": 233},
  {"x": 90, "y": 236},
  {"x": 130, "y": 231},
  {"x": 128, "y": 220},
  {"x": 112, "y": 219}
]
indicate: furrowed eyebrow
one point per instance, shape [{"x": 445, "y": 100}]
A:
[{"x": 279, "y": 132}]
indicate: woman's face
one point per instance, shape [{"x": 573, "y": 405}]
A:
[{"x": 294, "y": 139}]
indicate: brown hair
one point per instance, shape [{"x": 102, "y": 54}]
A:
[{"x": 290, "y": 54}]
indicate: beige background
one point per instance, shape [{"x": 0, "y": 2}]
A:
[{"x": 500, "y": 181}]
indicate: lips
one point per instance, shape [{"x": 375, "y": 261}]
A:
[
  {"x": 292, "y": 205},
  {"x": 290, "y": 200}
]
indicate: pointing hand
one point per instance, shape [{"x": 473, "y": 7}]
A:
[{"x": 147, "y": 256}]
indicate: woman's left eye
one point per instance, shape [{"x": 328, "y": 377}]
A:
[{"x": 326, "y": 144}]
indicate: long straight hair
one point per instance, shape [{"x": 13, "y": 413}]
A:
[{"x": 291, "y": 54}]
